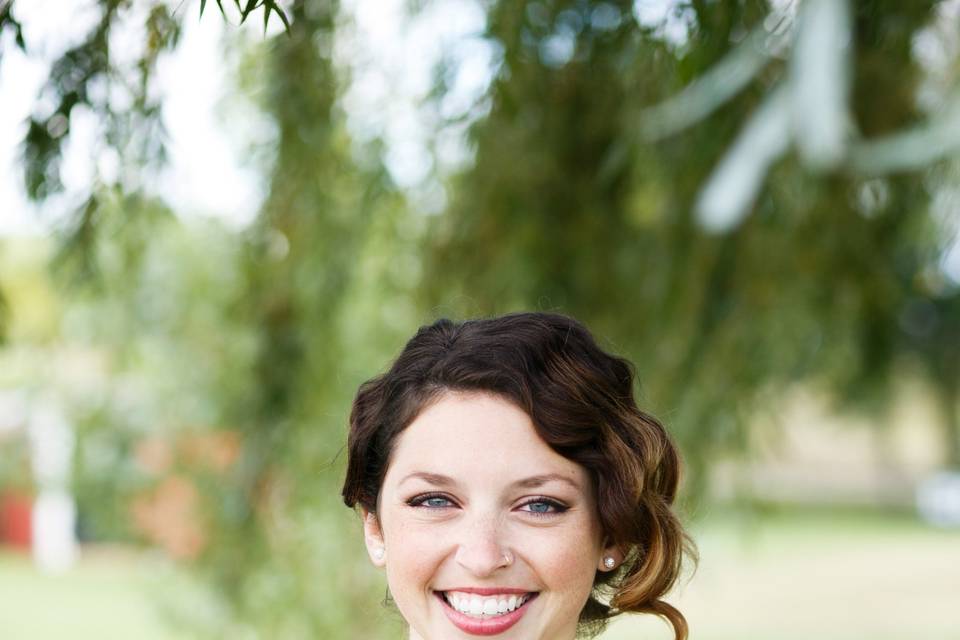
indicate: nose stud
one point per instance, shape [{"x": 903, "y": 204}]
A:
[{"x": 507, "y": 560}]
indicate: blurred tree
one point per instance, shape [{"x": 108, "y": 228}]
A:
[
  {"x": 597, "y": 209},
  {"x": 281, "y": 520},
  {"x": 568, "y": 206},
  {"x": 257, "y": 333},
  {"x": 580, "y": 197}
]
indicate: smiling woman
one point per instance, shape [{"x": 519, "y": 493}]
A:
[{"x": 510, "y": 486}]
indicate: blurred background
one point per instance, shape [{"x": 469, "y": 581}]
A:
[{"x": 218, "y": 217}]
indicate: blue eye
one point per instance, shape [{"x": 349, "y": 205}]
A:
[
  {"x": 431, "y": 501},
  {"x": 543, "y": 507}
]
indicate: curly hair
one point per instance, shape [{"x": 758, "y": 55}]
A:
[{"x": 581, "y": 402}]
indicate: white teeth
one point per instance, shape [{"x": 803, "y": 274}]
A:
[{"x": 474, "y": 605}]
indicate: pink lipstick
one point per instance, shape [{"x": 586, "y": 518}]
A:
[{"x": 487, "y": 625}]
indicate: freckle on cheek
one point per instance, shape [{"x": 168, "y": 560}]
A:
[{"x": 416, "y": 561}]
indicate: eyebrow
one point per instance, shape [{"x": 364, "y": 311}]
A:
[
  {"x": 440, "y": 480},
  {"x": 536, "y": 481}
]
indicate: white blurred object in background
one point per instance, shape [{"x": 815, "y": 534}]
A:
[
  {"x": 54, "y": 519},
  {"x": 938, "y": 499},
  {"x": 54, "y": 512}
]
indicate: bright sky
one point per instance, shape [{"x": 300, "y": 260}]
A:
[
  {"x": 390, "y": 60},
  {"x": 205, "y": 173}
]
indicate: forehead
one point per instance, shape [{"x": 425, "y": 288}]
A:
[{"x": 480, "y": 437}]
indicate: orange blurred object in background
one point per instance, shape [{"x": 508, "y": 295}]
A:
[{"x": 15, "y": 513}]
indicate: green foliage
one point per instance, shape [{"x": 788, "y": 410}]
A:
[
  {"x": 7, "y": 21},
  {"x": 276, "y": 517},
  {"x": 568, "y": 208},
  {"x": 15, "y": 465},
  {"x": 4, "y": 313},
  {"x": 269, "y": 6},
  {"x": 581, "y": 197}
]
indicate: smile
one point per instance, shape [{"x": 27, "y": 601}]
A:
[
  {"x": 484, "y": 614},
  {"x": 474, "y": 605}
]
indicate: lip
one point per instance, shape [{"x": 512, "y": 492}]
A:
[{"x": 480, "y": 626}]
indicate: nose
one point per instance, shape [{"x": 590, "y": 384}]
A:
[{"x": 481, "y": 550}]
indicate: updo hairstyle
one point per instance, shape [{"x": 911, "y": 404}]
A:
[{"x": 581, "y": 402}]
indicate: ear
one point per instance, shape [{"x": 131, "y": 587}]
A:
[
  {"x": 608, "y": 553},
  {"x": 373, "y": 538}
]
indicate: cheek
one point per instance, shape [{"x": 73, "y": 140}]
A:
[
  {"x": 413, "y": 557},
  {"x": 566, "y": 561}
]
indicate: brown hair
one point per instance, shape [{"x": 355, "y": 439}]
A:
[{"x": 580, "y": 400}]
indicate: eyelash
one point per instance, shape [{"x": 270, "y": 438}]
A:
[{"x": 419, "y": 501}]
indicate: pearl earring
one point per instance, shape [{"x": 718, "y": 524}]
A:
[
  {"x": 609, "y": 562},
  {"x": 378, "y": 553}
]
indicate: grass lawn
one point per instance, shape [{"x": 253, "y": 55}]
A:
[
  {"x": 795, "y": 576},
  {"x": 107, "y": 596},
  {"x": 817, "y": 576}
]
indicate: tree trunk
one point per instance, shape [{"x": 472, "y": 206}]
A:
[{"x": 948, "y": 393}]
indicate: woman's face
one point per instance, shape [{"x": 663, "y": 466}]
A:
[{"x": 477, "y": 513}]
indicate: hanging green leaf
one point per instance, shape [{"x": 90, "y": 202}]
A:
[
  {"x": 911, "y": 149},
  {"x": 251, "y": 5},
  {"x": 271, "y": 5},
  {"x": 712, "y": 89},
  {"x": 734, "y": 184},
  {"x": 820, "y": 81}
]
